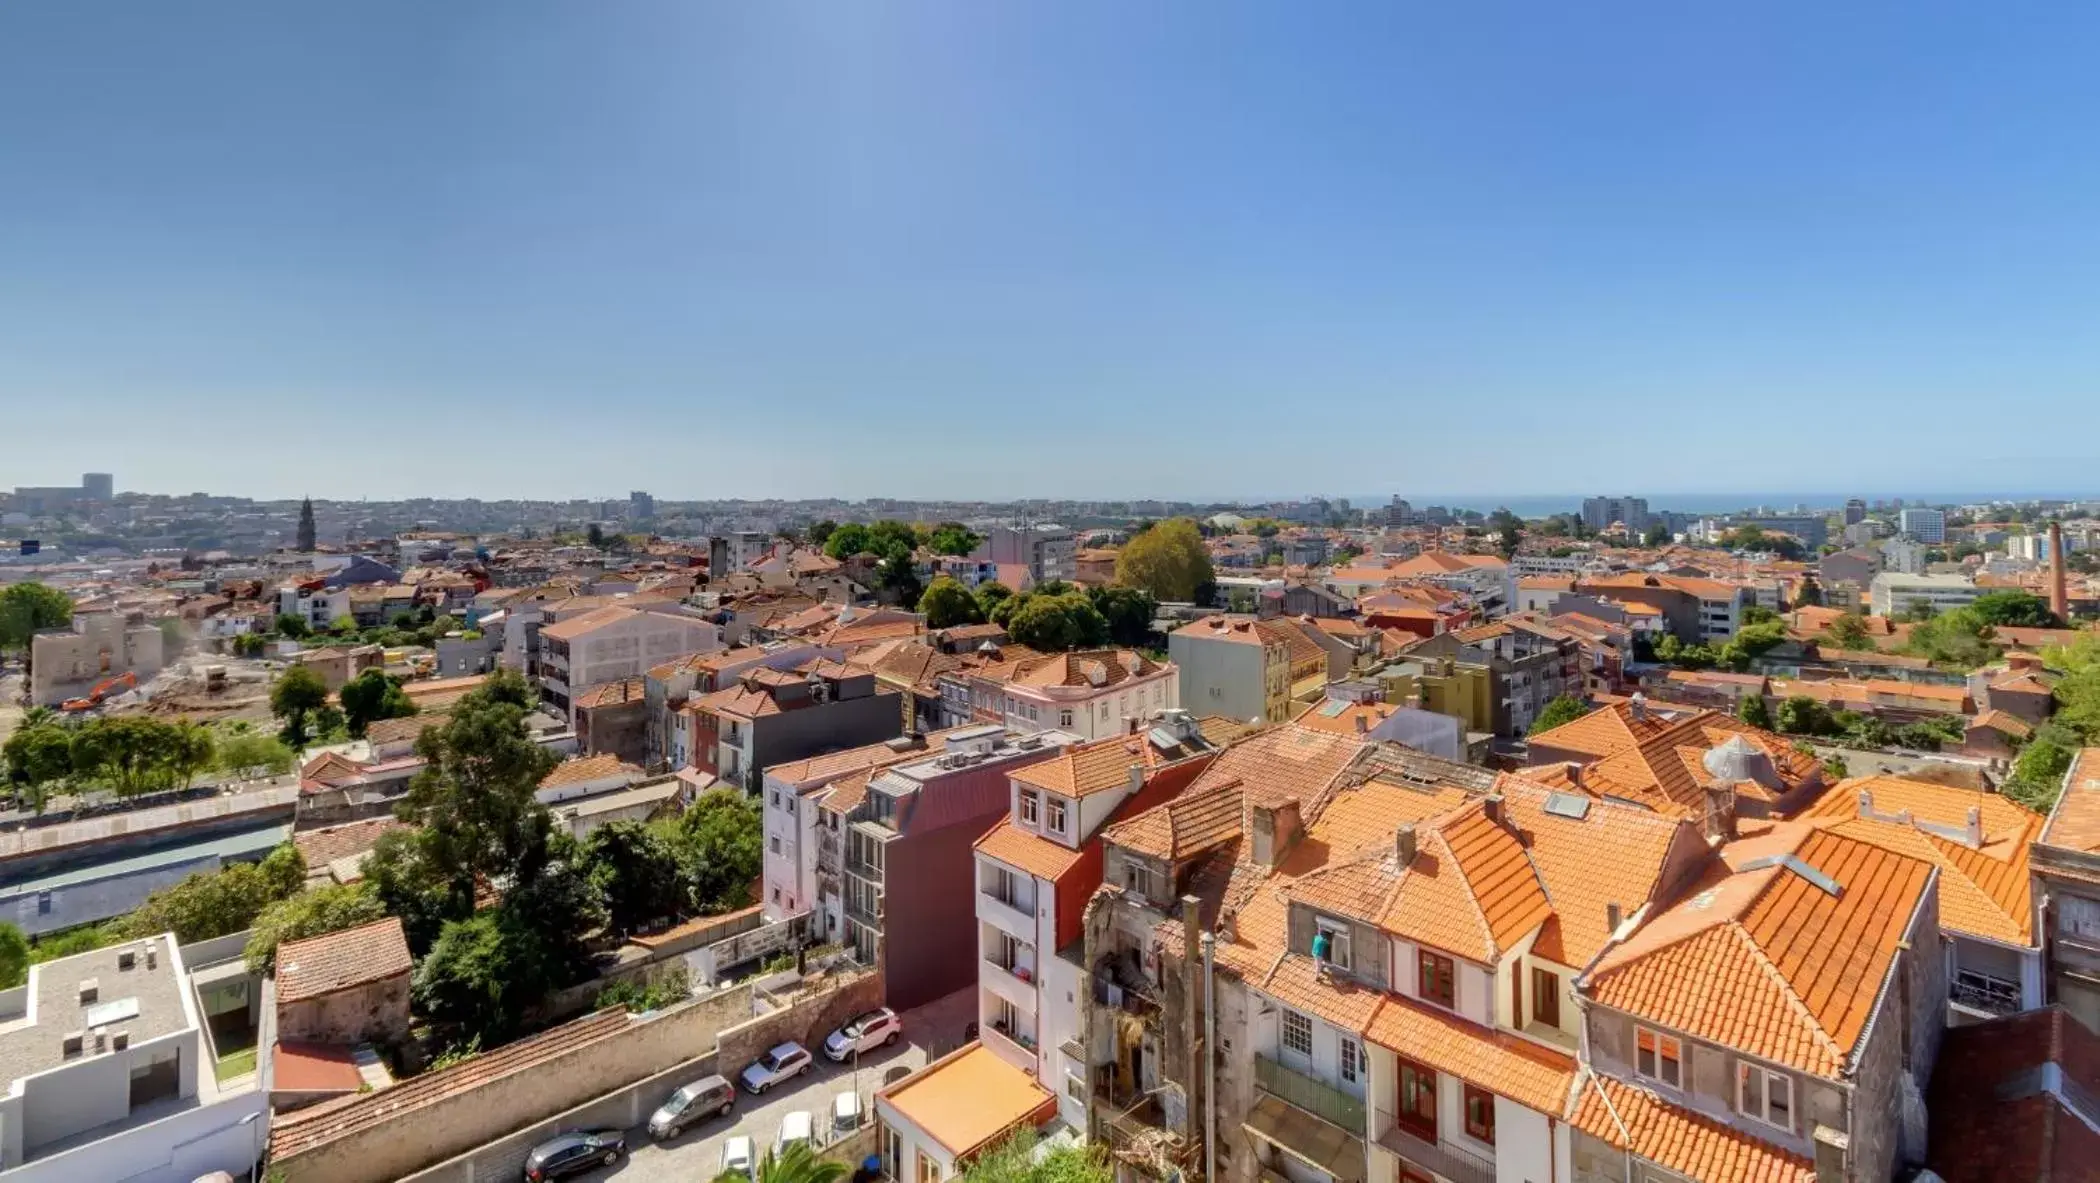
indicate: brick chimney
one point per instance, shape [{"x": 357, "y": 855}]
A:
[{"x": 2059, "y": 595}]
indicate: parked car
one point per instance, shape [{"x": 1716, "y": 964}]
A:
[
  {"x": 736, "y": 1155},
  {"x": 573, "y": 1154},
  {"x": 798, "y": 1126},
  {"x": 782, "y": 1063},
  {"x": 845, "y": 1114},
  {"x": 875, "y": 1029},
  {"x": 704, "y": 1098}
]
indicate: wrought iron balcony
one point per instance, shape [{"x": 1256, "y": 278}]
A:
[
  {"x": 1983, "y": 992},
  {"x": 1441, "y": 1158},
  {"x": 1309, "y": 1094}
]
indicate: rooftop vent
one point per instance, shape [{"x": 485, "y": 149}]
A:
[
  {"x": 90, "y": 990},
  {"x": 119, "y": 1040},
  {"x": 71, "y": 1044},
  {"x": 127, "y": 958},
  {"x": 1799, "y": 867},
  {"x": 1568, "y": 805}
]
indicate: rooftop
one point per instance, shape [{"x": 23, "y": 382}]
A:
[
  {"x": 2075, "y": 822},
  {"x": 145, "y": 1000},
  {"x": 1688, "y": 1143},
  {"x": 340, "y": 960},
  {"x": 585, "y": 769},
  {"x": 2013, "y": 1098},
  {"x": 968, "y": 1098}
]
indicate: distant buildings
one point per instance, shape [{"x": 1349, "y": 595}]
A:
[
  {"x": 1925, "y": 525},
  {"x": 1047, "y": 551},
  {"x": 1855, "y": 511},
  {"x": 1892, "y": 593},
  {"x": 1813, "y": 531},
  {"x": 1601, "y": 513},
  {"x": 99, "y": 646},
  {"x": 42, "y": 500}
]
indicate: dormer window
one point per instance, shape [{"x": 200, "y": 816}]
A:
[
  {"x": 1330, "y": 943},
  {"x": 1031, "y": 807}
]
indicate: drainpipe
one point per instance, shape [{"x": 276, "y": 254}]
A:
[{"x": 1210, "y": 1059}]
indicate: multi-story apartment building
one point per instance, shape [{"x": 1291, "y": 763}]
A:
[
  {"x": 1091, "y": 693},
  {"x": 1494, "y": 678},
  {"x": 616, "y": 642},
  {"x": 1601, "y": 513},
  {"x": 909, "y": 871},
  {"x": 1893, "y": 594},
  {"x": 1036, "y": 870},
  {"x": 1047, "y": 551},
  {"x": 668, "y": 690},
  {"x": 1928, "y": 526},
  {"x": 802, "y": 864},
  {"x": 1697, "y": 611},
  {"x": 1232, "y": 666},
  {"x": 771, "y": 715},
  {"x": 1811, "y": 530}
]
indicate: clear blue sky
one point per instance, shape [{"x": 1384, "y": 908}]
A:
[{"x": 1070, "y": 248}]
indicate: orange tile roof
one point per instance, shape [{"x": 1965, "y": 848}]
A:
[
  {"x": 1613, "y": 854},
  {"x": 1763, "y": 960},
  {"x": 1985, "y": 891},
  {"x": 385, "y": 731},
  {"x": 2074, "y": 824},
  {"x": 1679, "y": 1140},
  {"x": 626, "y": 690},
  {"x": 1605, "y": 731},
  {"x": 831, "y": 765},
  {"x": 325, "y": 845},
  {"x": 1081, "y": 770},
  {"x": 969, "y": 1097},
  {"x": 1535, "y": 1077},
  {"x": 1665, "y": 771},
  {"x": 583, "y": 623},
  {"x": 583, "y": 769},
  {"x": 1199, "y": 820},
  {"x": 339, "y": 960},
  {"x": 1026, "y": 851},
  {"x": 1498, "y": 874},
  {"x": 1297, "y": 982}
]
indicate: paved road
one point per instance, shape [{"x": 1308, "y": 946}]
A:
[{"x": 930, "y": 1032}]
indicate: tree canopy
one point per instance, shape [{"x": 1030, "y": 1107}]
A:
[
  {"x": 370, "y": 697},
  {"x": 296, "y": 695},
  {"x": 1849, "y": 631},
  {"x": 952, "y": 538},
  {"x": 14, "y": 956},
  {"x": 721, "y": 846},
  {"x": 26, "y": 608},
  {"x": 474, "y": 797},
  {"x": 1754, "y": 711},
  {"x": 214, "y": 903},
  {"x": 322, "y": 910},
  {"x": 1129, "y": 612},
  {"x": 1056, "y": 623},
  {"x": 635, "y": 870},
  {"x": 1170, "y": 561},
  {"x": 947, "y": 603},
  {"x": 1563, "y": 710},
  {"x": 2016, "y": 609}
]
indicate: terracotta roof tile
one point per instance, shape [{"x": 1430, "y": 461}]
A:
[
  {"x": 339, "y": 960},
  {"x": 1679, "y": 1140},
  {"x": 1506, "y": 1065},
  {"x": 329, "y": 843},
  {"x": 1081, "y": 770},
  {"x": 2074, "y": 824},
  {"x": 584, "y": 769},
  {"x": 387, "y": 731}
]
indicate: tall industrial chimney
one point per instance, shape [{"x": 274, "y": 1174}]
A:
[{"x": 2059, "y": 594}]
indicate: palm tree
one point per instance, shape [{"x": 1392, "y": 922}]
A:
[{"x": 797, "y": 1164}]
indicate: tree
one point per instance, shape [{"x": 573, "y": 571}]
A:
[
  {"x": 306, "y": 525},
  {"x": 292, "y": 626},
  {"x": 796, "y": 1164},
  {"x": 560, "y": 909},
  {"x": 297, "y": 694},
  {"x": 1849, "y": 631},
  {"x": 251, "y": 753},
  {"x": 1657, "y": 535},
  {"x": 326, "y": 909},
  {"x": 1960, "y": 639},
  {"x": 2038, "y": 777},
  {"x": 409, "y": 884},
  {"x": 214, "y": 903},
  {"x": 474, "y": 797},
  {"x": 1810, "y": 595},
  {"x": 1509, "y": 531},
  {"x": 370, "y": 697},
  {"x": 1754, "y": 711},
  {"x": 989, "y": 596},
  {"x": 820, "y": 532},
  {"x": 953, "y": 538},
  {"x": 847, "y": 540},
  {"x": 39, "y": 759},
  {"x": 1759, "y": 614},
  {"x": 1347, "y": 553},
  {"x": 192, "y": 749},
  {"x": 635, "y": 870},
  {"x": 1802, "y": 715},
  {"x": 1021, "y": 1158},
  {"x": 479, "y": 977},
  {"x": 1056, "y": 624},
  {"x": 2017, "y": 609},
  {"x": 134, "y": 754},
  {"x": 720, "y": 846},
  {"x": 27, "y": 609},
  {"x": 14, "y": 956},
  {"x": 1129, "y": 612},
  {"x": 948, "y": 603},
  {"x": 1170, "y": 561},
  {"x": 594, "y": 536},
  {"x": 1561, "y": 711}
]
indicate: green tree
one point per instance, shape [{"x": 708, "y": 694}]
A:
[
  {"x": 294, "y": 698},
  {"x": 2038, "y": 776},
  {"x": 1754, "y": 711},
  {"x": 192, "y": 749},
  {"x": 409, "y": 884},
  {"x": 990, "y": 595},
  {"x": 820, "y": 532},
  {"x": 1959, "y": 639},
  {"x": 1759, "y": 614},
  {"x": 251, "y": 753},
  {"x": 39, "y": 760},
  {"x": 847, "y": 540},
  {"x": 948, "y": 603},
  {"x": 214, "y": 903},
  {"x": 796, "y": 1164},
  {"x": 1170, "y": 561},
  {"x": 1509, "y": 531},
  {"x": 474, "y": 797},
  {"x": 720, "y": 845},
  {"x": 130, "y": 754},
  {"x": 292, "y": 626},
  {"x": 1561, "y": 711},
  {"x": 636, "y": 871},
  {"x": 1849, "y": 631},
  {"x": 1056, "y": 624},
  {"x": 1129, "y": 612},
  {"x": 2016, "y": 609},
  {"x": 323, "y": 910},
  {"x": 594, "y": 536},
  {"x": 1021, "y": 1158},
  {"x": 28, "y": 608},
  {"x": 14, "y": 956},
  {"x": 952, "y": 538},
  {"x": 561, "y": 910},
  {"x": 370, "y": 697},
  {"x": 1802, "y": 715},
  {"x": 1657, "y": 535},
  {"x": 1810, "y": 594},
  {"x": 479, "y": 977}
]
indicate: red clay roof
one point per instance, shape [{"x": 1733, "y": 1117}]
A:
[
  {"x": 313, "y": 1068},
  {"x": 339, "y": 960}
]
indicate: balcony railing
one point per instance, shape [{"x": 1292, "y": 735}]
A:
[
  {"x": 1983, "y": 992},
  {"x": 1442, "y": 1158},
  {"x": 1312, "y": 1095},
  {"x": 868, "y": 914}
]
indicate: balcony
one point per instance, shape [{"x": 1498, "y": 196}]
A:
[
  {"x": 1008, "y": 983},
  {"x": 1309, "y": 1094},
  {"x": 869, "y": 914},
  {"x": 1006, "y": 915},
  {"x": 1984, "y": 993},
  {"x": 1445, "y": 1160},
  {"x": 1015, "y": 1047}
]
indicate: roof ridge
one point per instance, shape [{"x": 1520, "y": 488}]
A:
[
  {"x": 1793, "y": 998},
  {"x": 1487, "y": 931}
]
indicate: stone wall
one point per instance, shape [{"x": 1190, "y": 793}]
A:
[
  {"x": 807, "y": 1021},
  {"x": 375, "y": 1012}
]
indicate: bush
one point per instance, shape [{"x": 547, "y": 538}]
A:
[{"x": 646, "y": 995}]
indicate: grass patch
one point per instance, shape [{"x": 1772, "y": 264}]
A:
[{"x": 233, "y": 1064}]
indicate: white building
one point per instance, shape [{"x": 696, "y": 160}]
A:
[
  {"x": 1904, "y": 556},
  {"x": 1926, "y": 525},
  {"x": 1092, "y": 693},
  {"x": 318, "y": 607},
  {"x": 616, "y": 642},
  {"x": 1893, "y": 593}
]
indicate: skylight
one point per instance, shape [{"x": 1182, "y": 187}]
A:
[
  {"x": 1795, "y": 864},
  {"x": 1569, "y": 805}
]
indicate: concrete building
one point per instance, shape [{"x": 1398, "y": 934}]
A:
[
  {"x": 112, "y": 1075},
  {"x": 616, "y": 642},
  {"x": 318, "y": 606},
  {"x": 768, "y": 716},
  {"x": 1892, "y": 594},
  {"x": 1811, "y": 530},
  {"x": 69, "y": 663},
  {"x": 1928, "y": 526},
  {"x": 1089, "y": 693},
  {"x": 1047, "y": 551},
  {"x": 1601, "y": 513},
  {"x": 1234, "y": 667},
  {"x": 1855, "y": 511},
  {"x": 1905, "y": 556},
  {"x": 1696, "y": 611}
]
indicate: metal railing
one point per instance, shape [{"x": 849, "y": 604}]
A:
[
  {"x": 1442, "y": 1158},
  {"x": 1310, "y": 1094},
  {"x": 1985, "y": 993}
]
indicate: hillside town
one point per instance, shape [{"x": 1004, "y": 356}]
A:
[{"x": 1304, "y": 841}]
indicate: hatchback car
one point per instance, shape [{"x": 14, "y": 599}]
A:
[
  {"x": 736, "y": 1156},
  {"x": 865, "y": 1033},
  {"x": 799, "y": 1127},
  {"x": 573, "y": 1154},
  {"x": 702, "y": 1099},
  {"x": 845, "y": 1114},
  {"x": 782, "y": 1063}
]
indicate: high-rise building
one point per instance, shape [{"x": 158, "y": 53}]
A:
[
  {"x": 1855, "y": 512},
  {"x": 98, "y": 486},
  {"x": 640, "y": 506},
  {"x": 1925, "y": 525},
  {"x": 1400, "y": 513},
  {"x": 1600, "y": 513}
]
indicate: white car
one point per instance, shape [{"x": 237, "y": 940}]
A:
[
  {"x": 845, "y": 1114},
  {"x": 798, "y": 1126},
  {"x": 736, "y": 1155},
  {"x": 865, "y": 1033},
  {"x": 783, "y": 1062}
]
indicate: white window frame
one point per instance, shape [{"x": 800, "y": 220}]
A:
[
  {"x": 1766, "y": 1078},
  {"x": 1031, "y": 807},
  {"x": 1337, "y": 932},
  {"x": 1056, "y": 814},
  {"x": 1064, "y": 718},
  {"x": 1295, "y": 1021},
  {"x": 1676, "y": 1045},
  {"x": 1351, "y": 1057}
]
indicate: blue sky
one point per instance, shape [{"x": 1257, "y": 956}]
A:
[{"x": 1070, "y": 249}]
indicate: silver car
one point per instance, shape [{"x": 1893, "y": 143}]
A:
[{"x": 702, "y": 1099}]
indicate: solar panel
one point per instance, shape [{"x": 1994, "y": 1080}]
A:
[
  {"x": 1334, "y": 708},
  {"x": 1570, "y": 805}
]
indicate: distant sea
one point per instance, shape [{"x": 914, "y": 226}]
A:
[{"x": 1699, "y": 503}]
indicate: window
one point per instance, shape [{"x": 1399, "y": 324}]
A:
[
  {"x": 1057, "y": 815},
  {"x": 1438, "y": 980},
  {"x": 1064, "y": 718},
  {"x": 1765, "y": 1095},
  {"x": 1352, "y": 1060},
  {"x": 1658, "y": 1057},
  {"x": 1545, "y": 996},
  {"x": 1331, "y": 942},
  {"x": 1417, "y": 1111},
  {"x": 1480, "y": 1114},
  {"x": 774, "y": 841},
  {"x": 1137, "y": 878},
  {"x": 1030, "y": 806},
  {"x": 1297, "y": 1033}
]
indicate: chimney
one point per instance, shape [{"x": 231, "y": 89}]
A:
[
  {"x": 1637, "y": 706},
  {"x": 1866, "y": 803},
  {"x": 2059, "y": 595},
  {"x": 1833, "y": 1148},
  {"x": 1574, "y": 768},
  {"x": 1491, "y": 807},
  {"x": 1720, "y": 813},
  {"x": 1137, "y": 778},
  {"x": 1404, "y": 845},
  {"x": 1611, "y": 916},
  {"x": 1275, "y": 831},
  {"x": 1974, "y": 827},
  {"x": 1363, "y": 723}
]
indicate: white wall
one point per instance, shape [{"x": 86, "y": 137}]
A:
[{"x": 1524, "y": 1144}]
